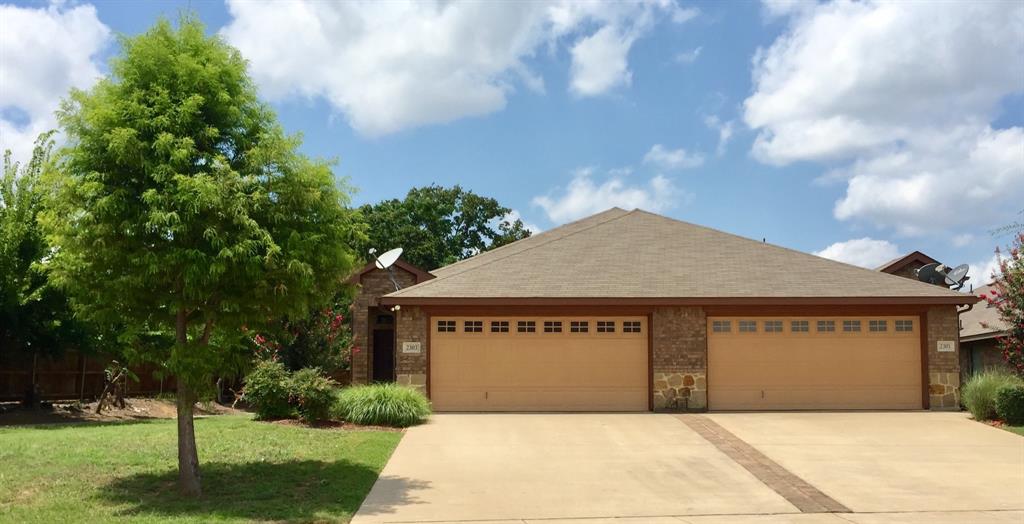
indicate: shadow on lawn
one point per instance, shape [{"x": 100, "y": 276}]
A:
[{"x": 289, "y": 491}]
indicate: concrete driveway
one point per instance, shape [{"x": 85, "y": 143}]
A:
[{"x": 803, "y": 468}]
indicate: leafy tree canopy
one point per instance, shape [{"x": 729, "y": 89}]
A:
[
  {"x": 1007, "y": 295},
  {"x": 181, "y": 206},
  {"x": 438, "y": 226},
  {"x": 35, "y": 318}
]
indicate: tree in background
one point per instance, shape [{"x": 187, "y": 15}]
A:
[
  {"x": 181, "y": 207},
  {"x": 1007, "y": 296},
  {"x": 437, "y": 226},
  {"x": 35, "y": 318},
  {"x": 320, "y": 339}
]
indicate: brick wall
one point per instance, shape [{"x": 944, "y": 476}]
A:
[
  {"x": 411, "y": 369},
  {"x": 372, "y": 286},
  {"x": 943, "y": 368},
  {"x": 679, "y": 358}
]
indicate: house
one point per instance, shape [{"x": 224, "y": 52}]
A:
[
  {"x": 979, "y": 329},
  {"x": 907, "y": 265},
  {"x": 632, "y": 311}
]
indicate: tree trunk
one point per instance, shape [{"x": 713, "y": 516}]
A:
[{"x": 189, "y": 482}]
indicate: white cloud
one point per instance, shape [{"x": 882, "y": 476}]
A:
[
  {"x": 688, "y": 57},
  {"x": 43, "y": 53},
  {"x": 982, "y": 272},
  {"x": 962, "y": 239},
  {"x": 899, "y": 98},
  {"x": 390, "y": 66},
  {"x": 725, "y": 131},
  {"x": 514, "y": 215},
  {"x": 584, "y": 196},
  {"x": 671, "y": 159},
  {"x": 864, "y": 252}
]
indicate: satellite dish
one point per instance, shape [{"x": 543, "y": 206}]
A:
[
  {"x": 389, "y": 258},
  {"x": 957, "y": 276},
  {"x": 932, "y": 274}
]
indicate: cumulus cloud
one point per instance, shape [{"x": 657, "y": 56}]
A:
[
  {"x": 864, "y": 252},
  {"x": 983, "y": 272},
  {"x": 43, "y": 53},
  {"x": 514, "y": 215},
  {"x": 688, "y": 57},
  {"x": 389, "y": 66},
  {"x": 899, "y": 99},
  {"x": 672, "y": 159},
  {"x": 585, "y": 196}
]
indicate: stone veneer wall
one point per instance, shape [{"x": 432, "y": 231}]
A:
[
  {"x": 943, "y": 368},
  {"x": 372, "y": 286},
  {"x": 411, "y": 369},
  {"x": 679, "y": 358}
]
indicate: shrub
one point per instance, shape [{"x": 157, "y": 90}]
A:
[
  {"x": 312, "y": 393},
  {"x": 979, "y": 393},
  {"x": 1010, "y": 404},
  {"x": 266, "y": 390},
  {"x": 382, "y": 405}
]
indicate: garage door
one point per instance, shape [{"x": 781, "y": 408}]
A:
[
  {"x": 538, "y": 363},
  {"x": 814, "y": 363}
]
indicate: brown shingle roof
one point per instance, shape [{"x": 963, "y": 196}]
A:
[
  {"x": 898, "y": 263},
  {"x": 982, "y": 321},
  {"x": 640, "y": 255}
]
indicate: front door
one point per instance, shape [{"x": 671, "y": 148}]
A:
[{"x": 383, "y": 355}]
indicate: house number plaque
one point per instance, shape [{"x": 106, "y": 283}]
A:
[
  {"x": 411, "y": 347},
  {"x": 945, "y": 346}
]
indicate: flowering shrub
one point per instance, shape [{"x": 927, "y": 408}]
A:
[
  {"x": 323, "y": 340},
  {"x": 1007, "y": 296}
]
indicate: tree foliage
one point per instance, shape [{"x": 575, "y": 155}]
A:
[
  {"x": 1007, "y": 295},
  {"x": 438, "y": 226},
  {"x": 35, "y": 318},
  {"x": 181, "y": 206}
]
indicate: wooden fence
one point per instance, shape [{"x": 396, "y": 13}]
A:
[{"x": 74, "y": 376}]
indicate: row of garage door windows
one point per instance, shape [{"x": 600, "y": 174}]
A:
[
  {"x": 530, "y": 326},
  {"x": 804, "y": 326}
]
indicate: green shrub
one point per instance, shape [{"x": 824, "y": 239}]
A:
[
  {"x": 1010, "y": 404},
  {"x": 267, "y": 390},
  {"x": 979, "y": 393},
  {"x": 381, "y": 405},
  {"x": 312, "y": 394}
]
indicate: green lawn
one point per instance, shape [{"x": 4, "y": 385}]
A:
[
  {"x": 251, "y": 471},
  {"x": 1015, "y": 429}
]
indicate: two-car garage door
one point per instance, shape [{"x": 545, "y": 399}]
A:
[
  {"x": 757, "y": 363},
  {"x": 578, "y": 363}
]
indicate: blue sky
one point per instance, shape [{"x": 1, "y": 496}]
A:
[{"x": 849, "y": 130}]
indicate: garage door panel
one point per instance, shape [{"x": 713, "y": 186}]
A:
[
  {"x": 539, "y": 371},
  {"x": 812, "y": 370}
]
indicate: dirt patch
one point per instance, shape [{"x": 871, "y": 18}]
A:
[{"x": 135, "y": 409}]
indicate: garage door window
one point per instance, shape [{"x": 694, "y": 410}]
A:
[
  {"x": 748, "y": 326},
  {"x": 721, "y": 326},
  {"x": 799, "y": 326},
  {"x": 904, "y": 326},
  {"x": 878, "y": 326},
  {"x": 773, "y": 326},
  {"x": 446, "y": 326},
  {"x": 473, "y": 326},
  {"x": 526, "y": 326},
  {"x": 551, "y": 326},
  {"x": 606, "y": 326},
  {"x": 631, "y": 326},
  {"x": 826, "y": 326},
  {"x": 579, "y": 326},
  {"x": 851, "y": 326},
  {"x": 499, "y": 326}
]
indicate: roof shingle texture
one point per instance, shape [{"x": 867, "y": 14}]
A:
[
  {"x": 638, "y": 254},
  {"x": 983, "y": 318}
]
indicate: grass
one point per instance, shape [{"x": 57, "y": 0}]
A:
[
  {"x": 252, "y": 471},
  {"x": 1014, "y": 429}
]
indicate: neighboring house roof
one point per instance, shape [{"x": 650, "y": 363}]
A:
[
  {"x": 639, "y": 257},
  {"x": 899, "y": 263},
  {"x": 419, "y": 274},
  {"x": 982, "y": 321}
]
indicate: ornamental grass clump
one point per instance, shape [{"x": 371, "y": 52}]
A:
[
  {"x": 381, "y": 405},
  {"x": 979, "y": 393}
]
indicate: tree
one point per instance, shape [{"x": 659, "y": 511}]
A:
[
  {"x": 35, "y": 318},
  {"x": 181, "y": 207},
  {"x": 1007, "y": 295},
  {"x": 437, "y": 225}
]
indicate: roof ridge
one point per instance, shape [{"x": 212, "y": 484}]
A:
[
  {"x": 495, "y": 259},
  {"x": 776, "y": 246}
]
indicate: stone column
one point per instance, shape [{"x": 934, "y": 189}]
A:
[{"x": 679, "y": 358}]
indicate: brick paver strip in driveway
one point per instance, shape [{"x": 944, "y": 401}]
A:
[{"x": 799, "y": 493}]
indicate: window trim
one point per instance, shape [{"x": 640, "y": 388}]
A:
[
  {"x": 605, "y": 326},
  {"x": 831, "y": 324},
  {"x": 805, "y": 326},
  {"x": 526, "y": 326},
  {"x": 499, "y": 326},
  {"x": 746, "y": 326},
  {"x": 850, "y": 324},
  {"x": 552, "y": 326},
  {"x": 579, "y": 326},
  {"x": 472, "y": 326},
  {"x": 449, "y": 326},
  {"x": 632, "y": 326},
  {"x": 903, "y": 322},
  {"x": 774, "y": 323}
]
